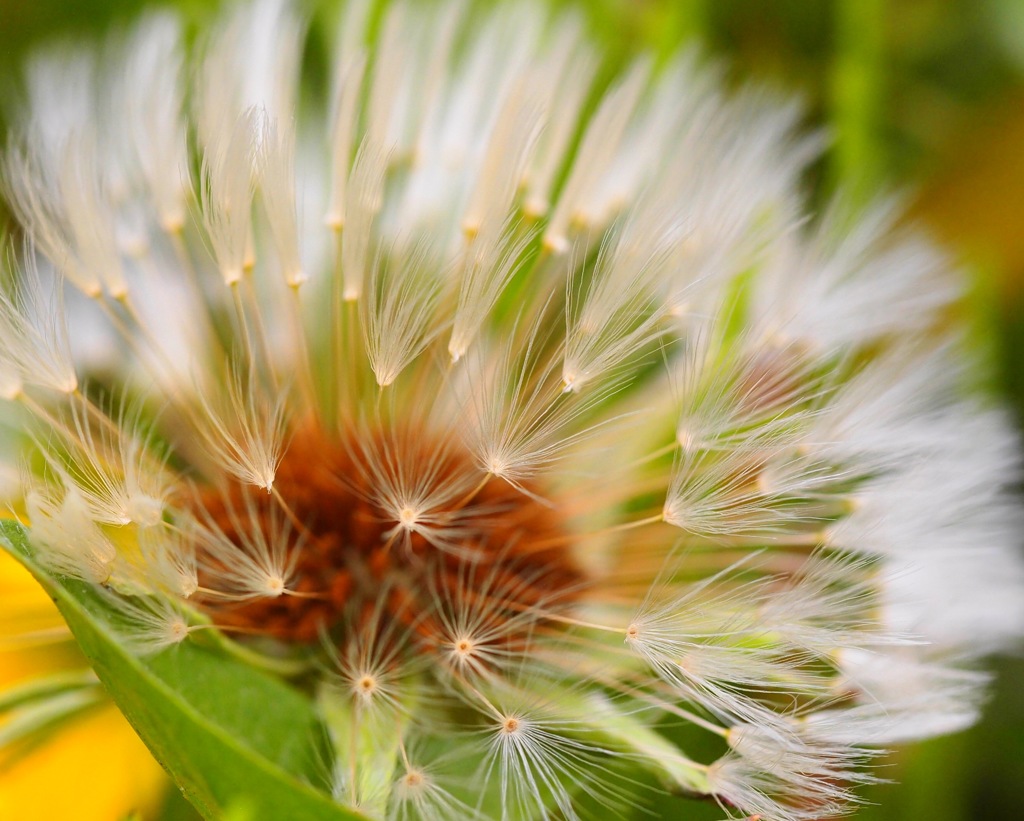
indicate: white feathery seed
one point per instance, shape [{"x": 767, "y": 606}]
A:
[
  {"x": 245, "y": 435},
  {"x": 34, "y": 346}
]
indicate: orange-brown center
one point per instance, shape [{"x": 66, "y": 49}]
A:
[{"x": 503, "y": 553}]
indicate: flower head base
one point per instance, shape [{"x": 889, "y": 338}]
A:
[{"x": 517, "y": 424}]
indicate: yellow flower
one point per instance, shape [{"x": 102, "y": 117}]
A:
[{"x": 95, "y": 768}]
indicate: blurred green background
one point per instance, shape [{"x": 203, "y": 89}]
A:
[{"x": 920, "y": 96}]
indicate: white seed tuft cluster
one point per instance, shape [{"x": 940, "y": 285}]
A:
[{"x": 530, "y": 413}]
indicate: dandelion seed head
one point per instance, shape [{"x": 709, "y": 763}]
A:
[
  {"x": 144, "y": 510},
  {"x": 463, "y": 650},
  {"x": 523, "y": 411},
  {"x": 407, "y": 517},
  {"x": 510, "y": 725},
  {"x": 275, "y": 586},
  {"x": 366, "y": 686},
  {"x": 178, "y": 630}
]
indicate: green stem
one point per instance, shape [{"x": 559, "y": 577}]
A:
[{"x": 856, "y": 94}]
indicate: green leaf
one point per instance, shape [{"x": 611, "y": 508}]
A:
[{"x": 230, "y": 736}]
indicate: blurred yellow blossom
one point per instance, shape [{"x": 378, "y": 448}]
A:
[{"x": 102, "y": 768}]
